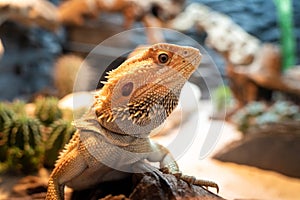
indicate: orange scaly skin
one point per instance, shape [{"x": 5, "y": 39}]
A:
[{"x": 112, "y": 138}]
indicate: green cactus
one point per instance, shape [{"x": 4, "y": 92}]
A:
[
  {"x": 3, "y": 148},
  {"x": 6, "y": 116},
  {"x": 18, "y": 107},
  {"x": 23, "y": 139},
  {"x": 47, "y": 110},
  {"x": 61, "y": 133}
]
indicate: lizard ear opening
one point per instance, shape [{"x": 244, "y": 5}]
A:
[{"x": 127, "y": 89}]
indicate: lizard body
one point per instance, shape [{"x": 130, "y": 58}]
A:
[{"x": 112, "y": 138}]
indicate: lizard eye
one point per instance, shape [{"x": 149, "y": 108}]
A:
[
  {"x": 127, "y": 89},
  {"x": 163, "y": 58}
]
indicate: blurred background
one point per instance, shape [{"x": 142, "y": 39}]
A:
[{"x": 248, "y": 81}]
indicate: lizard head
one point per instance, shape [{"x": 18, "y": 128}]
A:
[{"x": 142, "y": 92}]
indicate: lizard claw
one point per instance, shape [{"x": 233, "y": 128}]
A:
[
  {"x": 191, "y": 179},
  {"x": 203, "y": 183},
  {"x": 207, "y": 184}
]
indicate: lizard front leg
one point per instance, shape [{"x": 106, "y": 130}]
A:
[
  {"x": 70, "y": 165},
  {"x": 170, "y": 166}
]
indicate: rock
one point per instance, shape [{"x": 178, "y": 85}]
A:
[
  {"x": 104, "y": 190},
  {"x": 266, "y": 28},
  {"x": 28, "y": 56},
  {"x": 77, "y": 101},
  {"x": 272, "y": 150},
  {"x": 119, "y": 197},
  {"x": 6, "y": 79},
  {"x": 146, "y": 186},
  {"x": 149, "y": 188}
]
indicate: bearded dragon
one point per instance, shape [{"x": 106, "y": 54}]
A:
[{"x": 112, "y": 138}]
